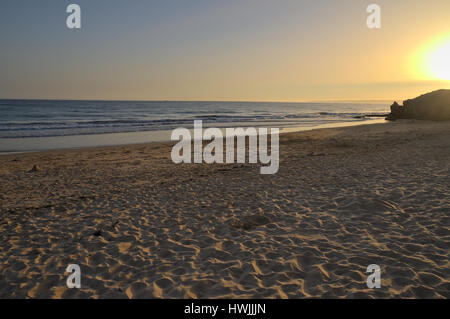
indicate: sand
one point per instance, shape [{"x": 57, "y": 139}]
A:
[{"x": 140, "y": 226}]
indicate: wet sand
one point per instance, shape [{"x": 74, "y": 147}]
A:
[{"x": 140, "y": 226}]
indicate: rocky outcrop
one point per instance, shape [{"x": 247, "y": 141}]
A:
[{"x": 431, "y": 106}]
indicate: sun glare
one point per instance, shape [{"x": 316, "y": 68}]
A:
[{"x": 439, "y": 62}]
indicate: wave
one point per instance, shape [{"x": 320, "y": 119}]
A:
[
  {"x": 61, "y": 118},
  {"x": 215, "y": 117}
]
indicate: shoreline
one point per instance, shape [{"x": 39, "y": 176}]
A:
[
  {"x": 103, "y": 140},
  {"x": 140, "y": 226}
]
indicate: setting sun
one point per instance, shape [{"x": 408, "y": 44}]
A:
[
  {"x": 439, "y": 61},
  {"x": 432, "y": 61}
]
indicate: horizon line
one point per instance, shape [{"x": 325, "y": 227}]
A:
[{"x": 198, "y": 100}]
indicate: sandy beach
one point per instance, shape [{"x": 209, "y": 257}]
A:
[{"x": 140, "y": 226}]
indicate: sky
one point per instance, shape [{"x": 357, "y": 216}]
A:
[{"x": 238, "y": 50}]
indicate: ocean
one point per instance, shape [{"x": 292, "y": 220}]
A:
[{"x": 30, "y": 125}]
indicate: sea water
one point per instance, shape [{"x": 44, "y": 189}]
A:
[{"x": 31, "y": 125}]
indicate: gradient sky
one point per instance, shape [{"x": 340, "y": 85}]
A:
[{"x": 260, "y": 50}]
